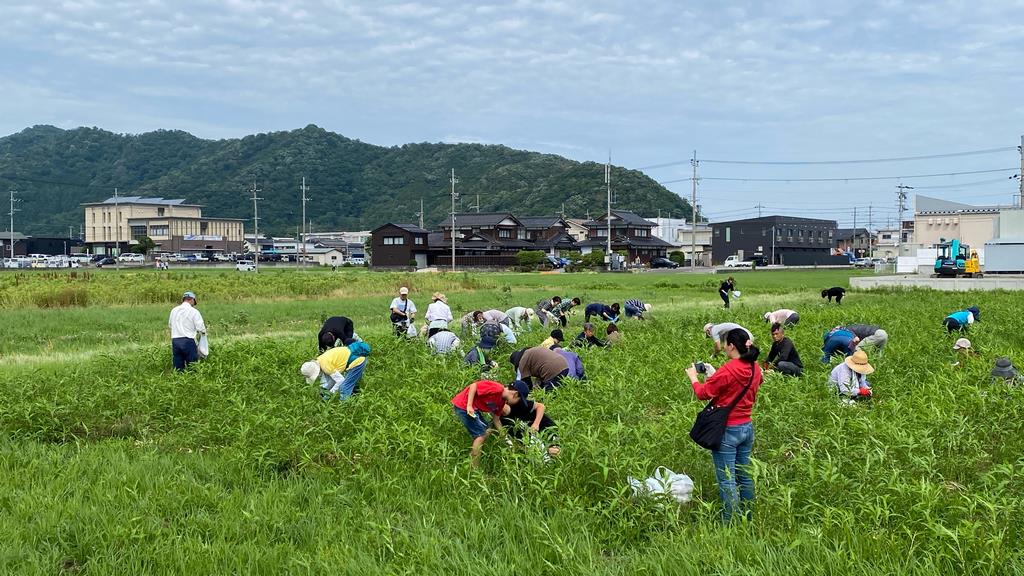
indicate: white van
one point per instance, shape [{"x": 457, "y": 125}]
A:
[
  {"x": 131, "y": 258},
  {"x": 245, "y": 266}
]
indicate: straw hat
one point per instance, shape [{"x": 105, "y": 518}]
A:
[
  {"x": 439, "y": 296},
  {"x": 858, "y": 362},
  {"x": 962, "y": 344}
]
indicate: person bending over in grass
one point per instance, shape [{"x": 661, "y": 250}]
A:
[
  {"x": 443, "y": 341},
  {"x": 336, "y": 330},
  {"x": 727, "y": 286},
  {"x": 555, "y": 339},
  {"x": 636, "y": 309},
  {"x": 481, "y": 354},
  {"x": 605, "y": 312},
  {"x": 540, "y": 366},
  {"x": 869, "y": 336},
  {"x": 521, "y": 317},
  {"x": 783, "y": 355},
  {"x": 836, "y": 292},
  {"x": 561, "y": 311},
  {"x": 838, "y": 340},
  {"x": 530, "y": 417},
  {"x": 718, "y": 332},
  {"x": 339, "y": 369},
  {"x": 587, "y": 339},
  {"x": 502, "y": 320},
  {"x": 614, "y": 336},
  {"x": 573, "y": 360},
  {"x": 962, "y": 319},
  {"x": 544, "y": 308},
  {"x": 490, "y": 397},
  {"x": 739, "y": 375},
  {"x": 850, "y": 378},
  {"x": 782, "y": 316},
  {"x": 438, "y": 315}
]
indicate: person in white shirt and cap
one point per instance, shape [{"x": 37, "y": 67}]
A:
[
  {"x": 186, "y": 324},
  {"x": 403, "y": 311},
  {"x": 521, "y": 316}
]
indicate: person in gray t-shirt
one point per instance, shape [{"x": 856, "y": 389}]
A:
[{"x": 718, "y": 332}]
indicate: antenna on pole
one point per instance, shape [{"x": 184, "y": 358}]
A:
[
  {"x": 901, "y": 204},
  {"x": 759, "y": 207},
  {"x": 455, "y": 196},
  {"x": 303, "y": 237},
  {"x": 11, "y": 213},
  {"x": 255, "y": 190}
]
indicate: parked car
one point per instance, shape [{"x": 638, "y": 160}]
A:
[
  {"x": 734, "y": 261},
  {"x": 245, "y": 266},
  {"x": 862, "y": 263},
  {"x": 105, "y": 262},
  {"x": 663, "y": 263},
  {"x": 357, "y": 261},
  {"x": 131, "y": 258},
  {"x": 758, "y": 260},
  {"x": 220, "y": 257}
]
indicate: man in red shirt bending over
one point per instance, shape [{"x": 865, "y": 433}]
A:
[{"x": 485, "y": 396}]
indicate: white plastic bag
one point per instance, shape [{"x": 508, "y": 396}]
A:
[
  {"x": 735, "y": 293},
  {"x": 204, "y": 346},
  {"x": 411, "y": 330},
  {"x": 664, "y": 482}
]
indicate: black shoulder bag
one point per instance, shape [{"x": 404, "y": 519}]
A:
[{"x": 709, "y": 427}]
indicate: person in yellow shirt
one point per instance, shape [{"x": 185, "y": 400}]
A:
[
  {"x": 339, "y": 369},
  {"x": 555, "y": 338}
]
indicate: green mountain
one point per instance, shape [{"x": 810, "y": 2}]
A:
[{"x": 352, "y": 185}]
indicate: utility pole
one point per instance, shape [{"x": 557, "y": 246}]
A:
[
  {"x": 853, "y": 238},
  {"x": 693, "y": 214},
  {"x": 256, "y": 223},
  {"x": 901, "y": 204},
  {"x": 303, "y": 236},
  {"x": 759, "y": 207},
  {"x": 117, "y": 232},
  {"x": 420, "y": 213},
  {"x": 11, "y": 213},
  {"x": 1020, "y": 176},
  {"x": 608, "y": 185},
  {"x": 454, "y": 181},
  {"x": 870, "y": 244}
]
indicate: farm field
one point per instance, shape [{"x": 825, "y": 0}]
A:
[{"x": 110, "y": 463}]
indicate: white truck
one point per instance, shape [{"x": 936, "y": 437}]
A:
[{"x": 735, "y": 261}]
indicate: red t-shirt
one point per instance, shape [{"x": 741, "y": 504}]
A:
[
  {"x": 726, "y": 383},
  {"x": 488, "y": 397}
]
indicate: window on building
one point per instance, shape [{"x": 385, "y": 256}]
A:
[
  {"x": 394, "y": 240},
  {"x": 504, "y": 233},
  {"x": 718, "y": 232},
  {"x": 886, "y": 236},
  {"x": 728, "y": 234},
  {"x": 138, "y": 232},
  {"x": 160, "y": 212},
  {"x": 602, "y": 232},
  {"x": 789, "y": 233},
  {"x": 420, "y": 240},
  {"x": 642, "y": 233},
  {"x": 161, "y": 230},
  {"x": 204, "y": 228},
  {"x": 764, "y": 232},
  {"x": 521, "y": 234}
]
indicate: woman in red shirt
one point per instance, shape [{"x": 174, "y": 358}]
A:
[{"x": 732, "y": 458}]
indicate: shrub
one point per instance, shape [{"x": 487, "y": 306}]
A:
[
  {"x": 595, "y": 259},
  {"x": 530, "y": 258}
]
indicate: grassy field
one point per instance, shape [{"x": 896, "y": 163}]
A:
[{"x": 112, "y": 464}]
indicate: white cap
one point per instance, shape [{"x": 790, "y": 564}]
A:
[
  {"x": 403, "y": 290},
  {"x": 766, "y": 315},
  {"x": 311, "y": 370},
  {"x": 647, "y": 307},
  {"x": 707, "y": 327},
  {"x": 530, "y": 313}
]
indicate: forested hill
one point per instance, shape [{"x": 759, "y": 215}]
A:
[{"x": 352, "y": 185}]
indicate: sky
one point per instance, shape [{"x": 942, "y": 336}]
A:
[{"x": 648, "y": 82}]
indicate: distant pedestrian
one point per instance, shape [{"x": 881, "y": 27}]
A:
[
  {"x": 521, "y": 317},
  {"x": 636, "y": 309},
  {"x": 587, "y": 337},
  {"x": 838, "y": 340},
  {"x": 725, "y": 288},
  {"x": 718, "y": 332},
  {"x": 836, "y": 292},
  {"x": 339, "y": 370},
  {"x": 613, "y": 334},
  {"x": 960, "y": 320},
  {"x": 850, "y": 378},
  {"x": 186, "y": 324},
  {"x": 783, "y": 355},
  {"x": 490, "y": 397},
  {"x": 540, "y": 366},
  {"x": 604, "y": 311},
  {"x": 869, "y": 336},
  {"x": 782, "y": 316},
  {"x": 438, "y": 315},
  {"x": 336, "y": 330}
]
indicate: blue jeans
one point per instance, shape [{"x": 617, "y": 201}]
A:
[
  {"x": 477, "y": 426},
  {"x": 632, "y": 311},
  {"x": 732, "y": 468},
  {"x": 183, "y": 351},
  {"x": 350, "y": 385}
]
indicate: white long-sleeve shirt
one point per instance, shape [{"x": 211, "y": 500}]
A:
[
  {"x": 185, "y": 322},
  {"x": 438, "y": 311}
]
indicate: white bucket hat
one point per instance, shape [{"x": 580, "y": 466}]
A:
[{"x": 311, "y": 370}]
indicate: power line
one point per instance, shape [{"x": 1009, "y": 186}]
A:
[
  {"x": 824, "y": 162},
  {"x": 849, "y": 179}
]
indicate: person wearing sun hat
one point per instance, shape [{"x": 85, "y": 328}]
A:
[
  {"x": 520, "y": 317},
  {"x": 962, "y": 345},
  {"x": 850, "y": 377},
  {"x": 186, "y": 324},
  {"x": 338, "y": 369},
  {"x": 1005, "y": 372},
  {"x": 438, "y": 314}
]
